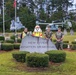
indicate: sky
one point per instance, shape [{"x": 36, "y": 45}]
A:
[
  {"x": 74, "y": 1},
  {"x": 73, "y": 7}
]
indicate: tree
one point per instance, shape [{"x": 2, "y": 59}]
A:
[
  {"x": 9, "y": 8},
  {"x": 57, "y": 16},
  {"x": 0, "y": 3},
  {"x": 55, "y": 9},
  {"x": 62, "y": 5},
  {"x": 27, "y": 18}
]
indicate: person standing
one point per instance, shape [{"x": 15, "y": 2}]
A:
[
  {"x": 48, "y": 33},
  {"x": 59, "y": 39},
  {"x": 24, "y": 33}
]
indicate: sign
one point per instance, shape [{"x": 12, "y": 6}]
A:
[{"x": 36, "y": 44}]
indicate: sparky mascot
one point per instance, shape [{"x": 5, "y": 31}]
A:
[{"x": 37, "y": 31}]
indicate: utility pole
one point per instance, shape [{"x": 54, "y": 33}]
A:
[{"x": 3, "y": 20}]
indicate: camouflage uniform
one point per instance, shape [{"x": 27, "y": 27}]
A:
[
  {"x": 48, "y": 34},
  {"x": 59, "y": 44}
]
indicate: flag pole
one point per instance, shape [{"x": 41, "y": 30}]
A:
[
  {"x": 15, "y": 16},
  {"x": 15, "y": 21},
  {"x": 3, "y": 20}
]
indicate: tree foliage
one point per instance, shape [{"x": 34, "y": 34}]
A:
[{"x": 58, "y": 9}]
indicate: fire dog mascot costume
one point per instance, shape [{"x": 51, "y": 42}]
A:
[{"x": 37, "y": 31}]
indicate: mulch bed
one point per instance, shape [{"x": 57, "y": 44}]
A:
[
  {"x": 23, "y": 67},
  {"x": 2, "y": 51}
]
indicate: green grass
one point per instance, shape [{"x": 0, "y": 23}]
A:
[
  {"x": 8, "y": 66},
  {"x": 70, "y": 38}
]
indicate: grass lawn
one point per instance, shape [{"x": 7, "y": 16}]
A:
[{"x": 8, "y": 66}]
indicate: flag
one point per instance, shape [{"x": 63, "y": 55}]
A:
[{"x": 14, "y": 4}]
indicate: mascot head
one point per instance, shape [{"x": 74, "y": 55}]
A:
[{"x": 37, "y": 29}]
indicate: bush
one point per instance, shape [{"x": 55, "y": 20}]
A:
[
  {"x": 19, "y": 40},
  {"x": 37, "y": 60},
  {"x": 13, "y": 37},
  {"x": 74, "y": 42},
  {"x": 56, "y": 56},
  {"x": 16, "y": 45},
  {"x": 65, "y": 41},
  {"x": 2, "y": 38},
  {"x": 1, "y": 41},
  {"x": 73, "y": 46},
  {"x": 7, "y": 46},
  {"x": 65, "y": 46},
  {"x": 20, "y": 56},
  {"x": 10, "y": 41}
]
